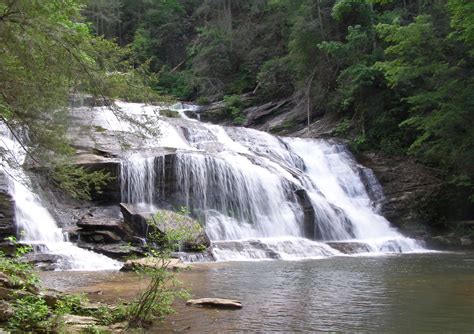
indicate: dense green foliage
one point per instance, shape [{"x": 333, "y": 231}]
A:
[{"x": 397, "y": 72}]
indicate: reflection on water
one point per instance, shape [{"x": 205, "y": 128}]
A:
[{"x": 407, "y": 293}]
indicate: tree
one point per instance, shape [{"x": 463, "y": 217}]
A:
[{"x": 48, "y": 52}]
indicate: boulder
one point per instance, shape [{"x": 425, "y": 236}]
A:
[
  {"x": 215, "y": 303},
  {"x": 166, "y": 220},
  {"x": 136, "y": 218},
  {"x": 51, "y": 297},
  {"x": 6, "y": 311}
]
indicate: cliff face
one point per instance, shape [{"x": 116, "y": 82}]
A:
[{"x": 408, "y": 190}]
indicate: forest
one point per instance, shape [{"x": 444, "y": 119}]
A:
[{"x": 397, "y": 73}]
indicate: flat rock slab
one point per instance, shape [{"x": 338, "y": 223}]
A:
[
  {"x": 70, "y": 319},
  {"x": 147, "y": 262},
  {"x": 215, "y": 303}
]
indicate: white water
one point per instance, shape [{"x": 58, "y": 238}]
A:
[
  {"x": 242, "y": 182},
  {"x": 35, "y": 223}
]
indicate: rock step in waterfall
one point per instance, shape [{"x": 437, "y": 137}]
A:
[{"x": 259, "y": 196}]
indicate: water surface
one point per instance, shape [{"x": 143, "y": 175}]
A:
[
  {"x": 405, "y": 293},
  {"x": 391, "y": 294}
]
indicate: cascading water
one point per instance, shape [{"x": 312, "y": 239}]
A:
[
  {"x": 261, "y": 196},
  {"x": 35, "y": 224}
]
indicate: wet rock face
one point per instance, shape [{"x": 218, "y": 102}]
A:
[
  {"x": 406, "y": 190},
  {"x": 450, "y": 241},
  {"x": 310, "y": 230},
  {"x": 7, "y": 210}
]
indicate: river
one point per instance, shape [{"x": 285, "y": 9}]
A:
[{"x": 392, "y": 294}]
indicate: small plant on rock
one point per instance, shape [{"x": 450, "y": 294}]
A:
[{"x": 156, "y": 300}]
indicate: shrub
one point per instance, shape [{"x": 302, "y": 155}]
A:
[
  {"x": 233, "y": 107},
  {"x": 31, "y": 315}
]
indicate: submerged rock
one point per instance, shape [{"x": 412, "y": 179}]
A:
[{"x": 215, "y": 303}]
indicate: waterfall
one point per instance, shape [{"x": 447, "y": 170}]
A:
[
  {"x": 35, "y": 224},
  {"x": 262, "y": 196}
]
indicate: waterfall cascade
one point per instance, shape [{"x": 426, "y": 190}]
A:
[
  {"x": 35, "y": 224},
  {"x": 261, "y": 196}
]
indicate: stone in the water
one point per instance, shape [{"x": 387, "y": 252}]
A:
[
  {"x": 215, "y": 302},
  {"x": 146, "y": 262}
]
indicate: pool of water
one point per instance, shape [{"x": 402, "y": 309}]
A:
[{"x": 399, "y": 293}]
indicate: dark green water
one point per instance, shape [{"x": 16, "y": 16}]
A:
[{"x": 396, "y": 294}]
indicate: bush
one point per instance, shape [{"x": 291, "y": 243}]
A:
[
  {"x": 275, "y": 79},
  {"x": 31, "y": 315},
  {"x": 233, "y": 107},
  {"x": 156, "y": 300},
  {"x": 20, "y": 274}
]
